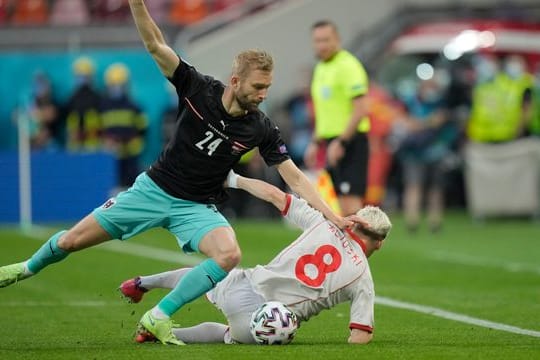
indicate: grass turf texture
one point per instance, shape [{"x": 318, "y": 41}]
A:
[{"x": 489, "y": 271}]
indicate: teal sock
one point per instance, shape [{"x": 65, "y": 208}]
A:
[
  {"x": 195, "y": 283},
  {"x": 47, "y": 254}
]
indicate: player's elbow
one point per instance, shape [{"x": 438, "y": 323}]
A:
[
  {"x": 154, "y": 44},
  {"x": 152, "y": 47}
]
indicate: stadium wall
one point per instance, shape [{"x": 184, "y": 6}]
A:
[{"x": 65, "y": 187}]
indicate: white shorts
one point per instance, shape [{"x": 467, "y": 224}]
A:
[{"x": 235, "y": 297}]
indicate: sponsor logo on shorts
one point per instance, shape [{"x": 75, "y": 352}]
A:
[{"x": 109, "y": 203}]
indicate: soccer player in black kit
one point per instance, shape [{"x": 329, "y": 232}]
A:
[{"x": 217, "y": 123}]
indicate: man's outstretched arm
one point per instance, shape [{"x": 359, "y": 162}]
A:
[
  {"x": 301, "y": 185},
  {"x": 153, "y": 40},
  {"x": 259, "y": 189}
]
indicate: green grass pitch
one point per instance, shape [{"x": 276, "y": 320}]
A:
[{"x": 489, "y": 271}]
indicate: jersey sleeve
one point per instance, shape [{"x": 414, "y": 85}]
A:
[
  {"x": 272, "y": 147},
  {"x": 362, "y": 306},
  {"x": 186, "y": 79},
  {"x": 354, "y": 78},
  {"x": 300, "y": 213}
]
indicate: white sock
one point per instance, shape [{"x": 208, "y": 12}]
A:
[
  {"x": 207, "y": 332},
  {"x": 158, "y": 314},
  {"x": 27, "y": 271},
  {"x": 164, "y": 280}
]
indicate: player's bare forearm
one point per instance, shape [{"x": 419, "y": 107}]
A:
[
  {"x": 263, "y": 191},
  {"x": 148, "y": 30},
  {"x": 153, "y": 39},
  {"x": 301, "y": 185}
]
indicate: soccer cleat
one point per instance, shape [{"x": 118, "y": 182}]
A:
[
  {"x": 131, "y": 290},
  {"x": 161, "y": 329},
  {"x": 142, "y": 335},
  {"x": 10, "y": 274}
]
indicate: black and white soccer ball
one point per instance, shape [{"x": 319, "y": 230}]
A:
[{"x": 273, "y": 323}]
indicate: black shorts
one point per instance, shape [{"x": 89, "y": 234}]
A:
[{"x": 350, "y": 175}]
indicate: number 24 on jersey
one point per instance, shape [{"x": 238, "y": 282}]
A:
[{"x": 209, "y": 144}]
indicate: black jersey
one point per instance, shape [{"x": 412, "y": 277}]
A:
[{"x": 207, "y": 141}]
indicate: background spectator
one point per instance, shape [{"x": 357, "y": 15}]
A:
[
  {"x": 384, "y": 113},
  {"x": 534, "y": 124},
  {"x": 170, "y": 114},
  {"x": 45, "y": 126},
  {"x": 123, "y": 124},
  {"x": 501, "y": 100},
  {"x": 300, "y": 118},
  {"x": 422, "y": 152},
  {"x": 83, "y": 120},
  {"x": 520, "y": 86}
]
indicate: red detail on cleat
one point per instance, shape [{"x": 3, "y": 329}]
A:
[
  {"x": 145, "y": 337},
  {"x": 132, "y": 291}
]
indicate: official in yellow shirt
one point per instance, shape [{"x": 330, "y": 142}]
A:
[{"x": 338, "y": 87}]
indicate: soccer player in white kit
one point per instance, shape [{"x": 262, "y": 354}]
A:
[{"x": 323, "y": 267}]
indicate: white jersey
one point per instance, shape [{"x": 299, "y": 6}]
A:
[{"x": 320, "y": 269}]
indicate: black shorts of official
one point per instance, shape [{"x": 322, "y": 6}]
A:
[{"x": 350, "y": 175}]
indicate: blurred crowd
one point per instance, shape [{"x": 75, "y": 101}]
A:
[
  {"x": 83, "y": 12},
  {"x": 416, "y": 139},
  {"x": 90, "y": 120},
  {"x": 419, "y": 129}
]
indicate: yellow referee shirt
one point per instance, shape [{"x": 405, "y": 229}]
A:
[{"x": 335, "y": 83}]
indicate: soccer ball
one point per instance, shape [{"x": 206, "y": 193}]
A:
[{"x": 273, "y": 323}]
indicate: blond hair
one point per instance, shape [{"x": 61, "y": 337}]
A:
[
  {"x": 253, "y": 59},
  {"x": 379, "y": 223}
]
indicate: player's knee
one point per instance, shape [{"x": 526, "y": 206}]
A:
[
  {"x": 67, "y": 242},
  {"x": 71, "y": 241},
  {"x": 228, "y": 259}
]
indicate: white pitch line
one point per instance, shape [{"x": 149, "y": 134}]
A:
[
  {"x": 150, "y": 252},
  {"x": 125, "y": 247},
  {"x": 61, "y": 303},
  {"x": 454, "y": 316},
  {"x": 178, "y": 257},
  {"x": 473, "y": 260}
]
